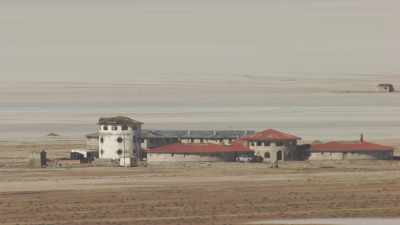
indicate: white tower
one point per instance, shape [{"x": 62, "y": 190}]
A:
[{"x": 119, "y": 139}]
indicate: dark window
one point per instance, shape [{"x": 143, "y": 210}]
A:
[
  {"x": 105, "y": 127},
  {"x": 201, "y": 140},
  {"x": 258, "y": 143},
  {"x": 119, "y": 152},
  {"x": 279, "y": 143},
  {"x": 114, "y": 128},
  {"x": 101, "y": 140},
  {"x": 124, "y": 127},
  {"x": 267, "y": 155},
  {"x": 119, "y": 139},
  {"x": 279, "y": 155},
  {"x": 267, "y": 143}
]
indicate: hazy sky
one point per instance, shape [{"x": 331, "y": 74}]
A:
[{"x": 126, "y": 40}]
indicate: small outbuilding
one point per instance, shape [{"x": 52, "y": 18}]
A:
[
  {"x": 196, "y": 153},
  {"x": 386, "y": 88},
  {"x": 350, "y": 150}
]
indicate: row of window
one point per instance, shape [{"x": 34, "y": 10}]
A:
[
  {"x": 119, "y": 152},
  {"x": 105, "y": 127},
  {"x": 120, "y": 140},
  {"x": 202, "y": 140},
  {"x": 268, "y": 143}
]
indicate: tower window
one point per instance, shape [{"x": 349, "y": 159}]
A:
[
  {"x": 119, "y": 139},
  {"x": 119, "y": 152},
  {"x": 105, "y": 127}
]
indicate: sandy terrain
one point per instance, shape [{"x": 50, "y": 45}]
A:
[{"x": 219, "y": 193}]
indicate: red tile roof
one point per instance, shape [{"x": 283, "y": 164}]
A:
[
  {"x": 270, "y": 135},
  {"x": 349, "y": 147},
  {"x": 200, "y": 148}
]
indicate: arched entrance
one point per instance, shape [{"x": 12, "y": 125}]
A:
[{"x": 279, "y": 155}]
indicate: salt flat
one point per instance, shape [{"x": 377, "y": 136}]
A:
[{"x": 314, "y": 107}]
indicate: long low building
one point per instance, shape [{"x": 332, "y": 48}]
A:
[
  {"x": 197, "y": 153},
  {"x": 350, "y": 150},
  {"x": 156, "y": 138}
]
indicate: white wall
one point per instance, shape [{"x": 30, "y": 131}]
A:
[
  {"x": 273, "y": 150},
  {"x": 168, "y": 157},
  {"x": 108, "y": 148},
  {"x": 351, "y": 156}
]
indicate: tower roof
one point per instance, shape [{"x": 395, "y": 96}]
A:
[{"x": 119, "y": 120}]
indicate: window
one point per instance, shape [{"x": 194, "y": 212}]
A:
[
  {"x": 120, "y": 139},
  {"x": 201, "y": 140},
  {"x": 258, "y": 143},
  {"x": 267, "y": 155},
  {"x": 279, "y": 155},
  {"x": 105, "y": 127},
  {"x": 279, "y": 143},
  {"x": 267, "y": 143},
  {"x": 124, "y": 127},
  {"x": 119, "y": 152},
  {"x": 114, "y": 128},
  {"x": 101, "y": 140}
]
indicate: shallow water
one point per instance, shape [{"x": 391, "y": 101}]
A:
[{"x": 335, "y": 221}]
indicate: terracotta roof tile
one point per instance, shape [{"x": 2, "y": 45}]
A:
[
  {"x": 349, "y": 147},
  {"x": 200, "y": 148},
  {"x": 270, "y": 135}
]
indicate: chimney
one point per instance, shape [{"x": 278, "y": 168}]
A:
[{"x": 361, "y": 138}]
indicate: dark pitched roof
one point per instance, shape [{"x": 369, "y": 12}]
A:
[
  {"x": 270, "y": 135},
  {"x": 200, "y": 148},
  {"x": 119, "y": 120},
  {"x": 210, "y": 134},
  {"x": 349, "y": 147},
  {"x": 92, "y": 135}
]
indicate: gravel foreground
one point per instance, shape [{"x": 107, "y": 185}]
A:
[{"x": 219, "y": 193}]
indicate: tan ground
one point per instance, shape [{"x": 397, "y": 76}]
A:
[{"x": 221, "y": 193}]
